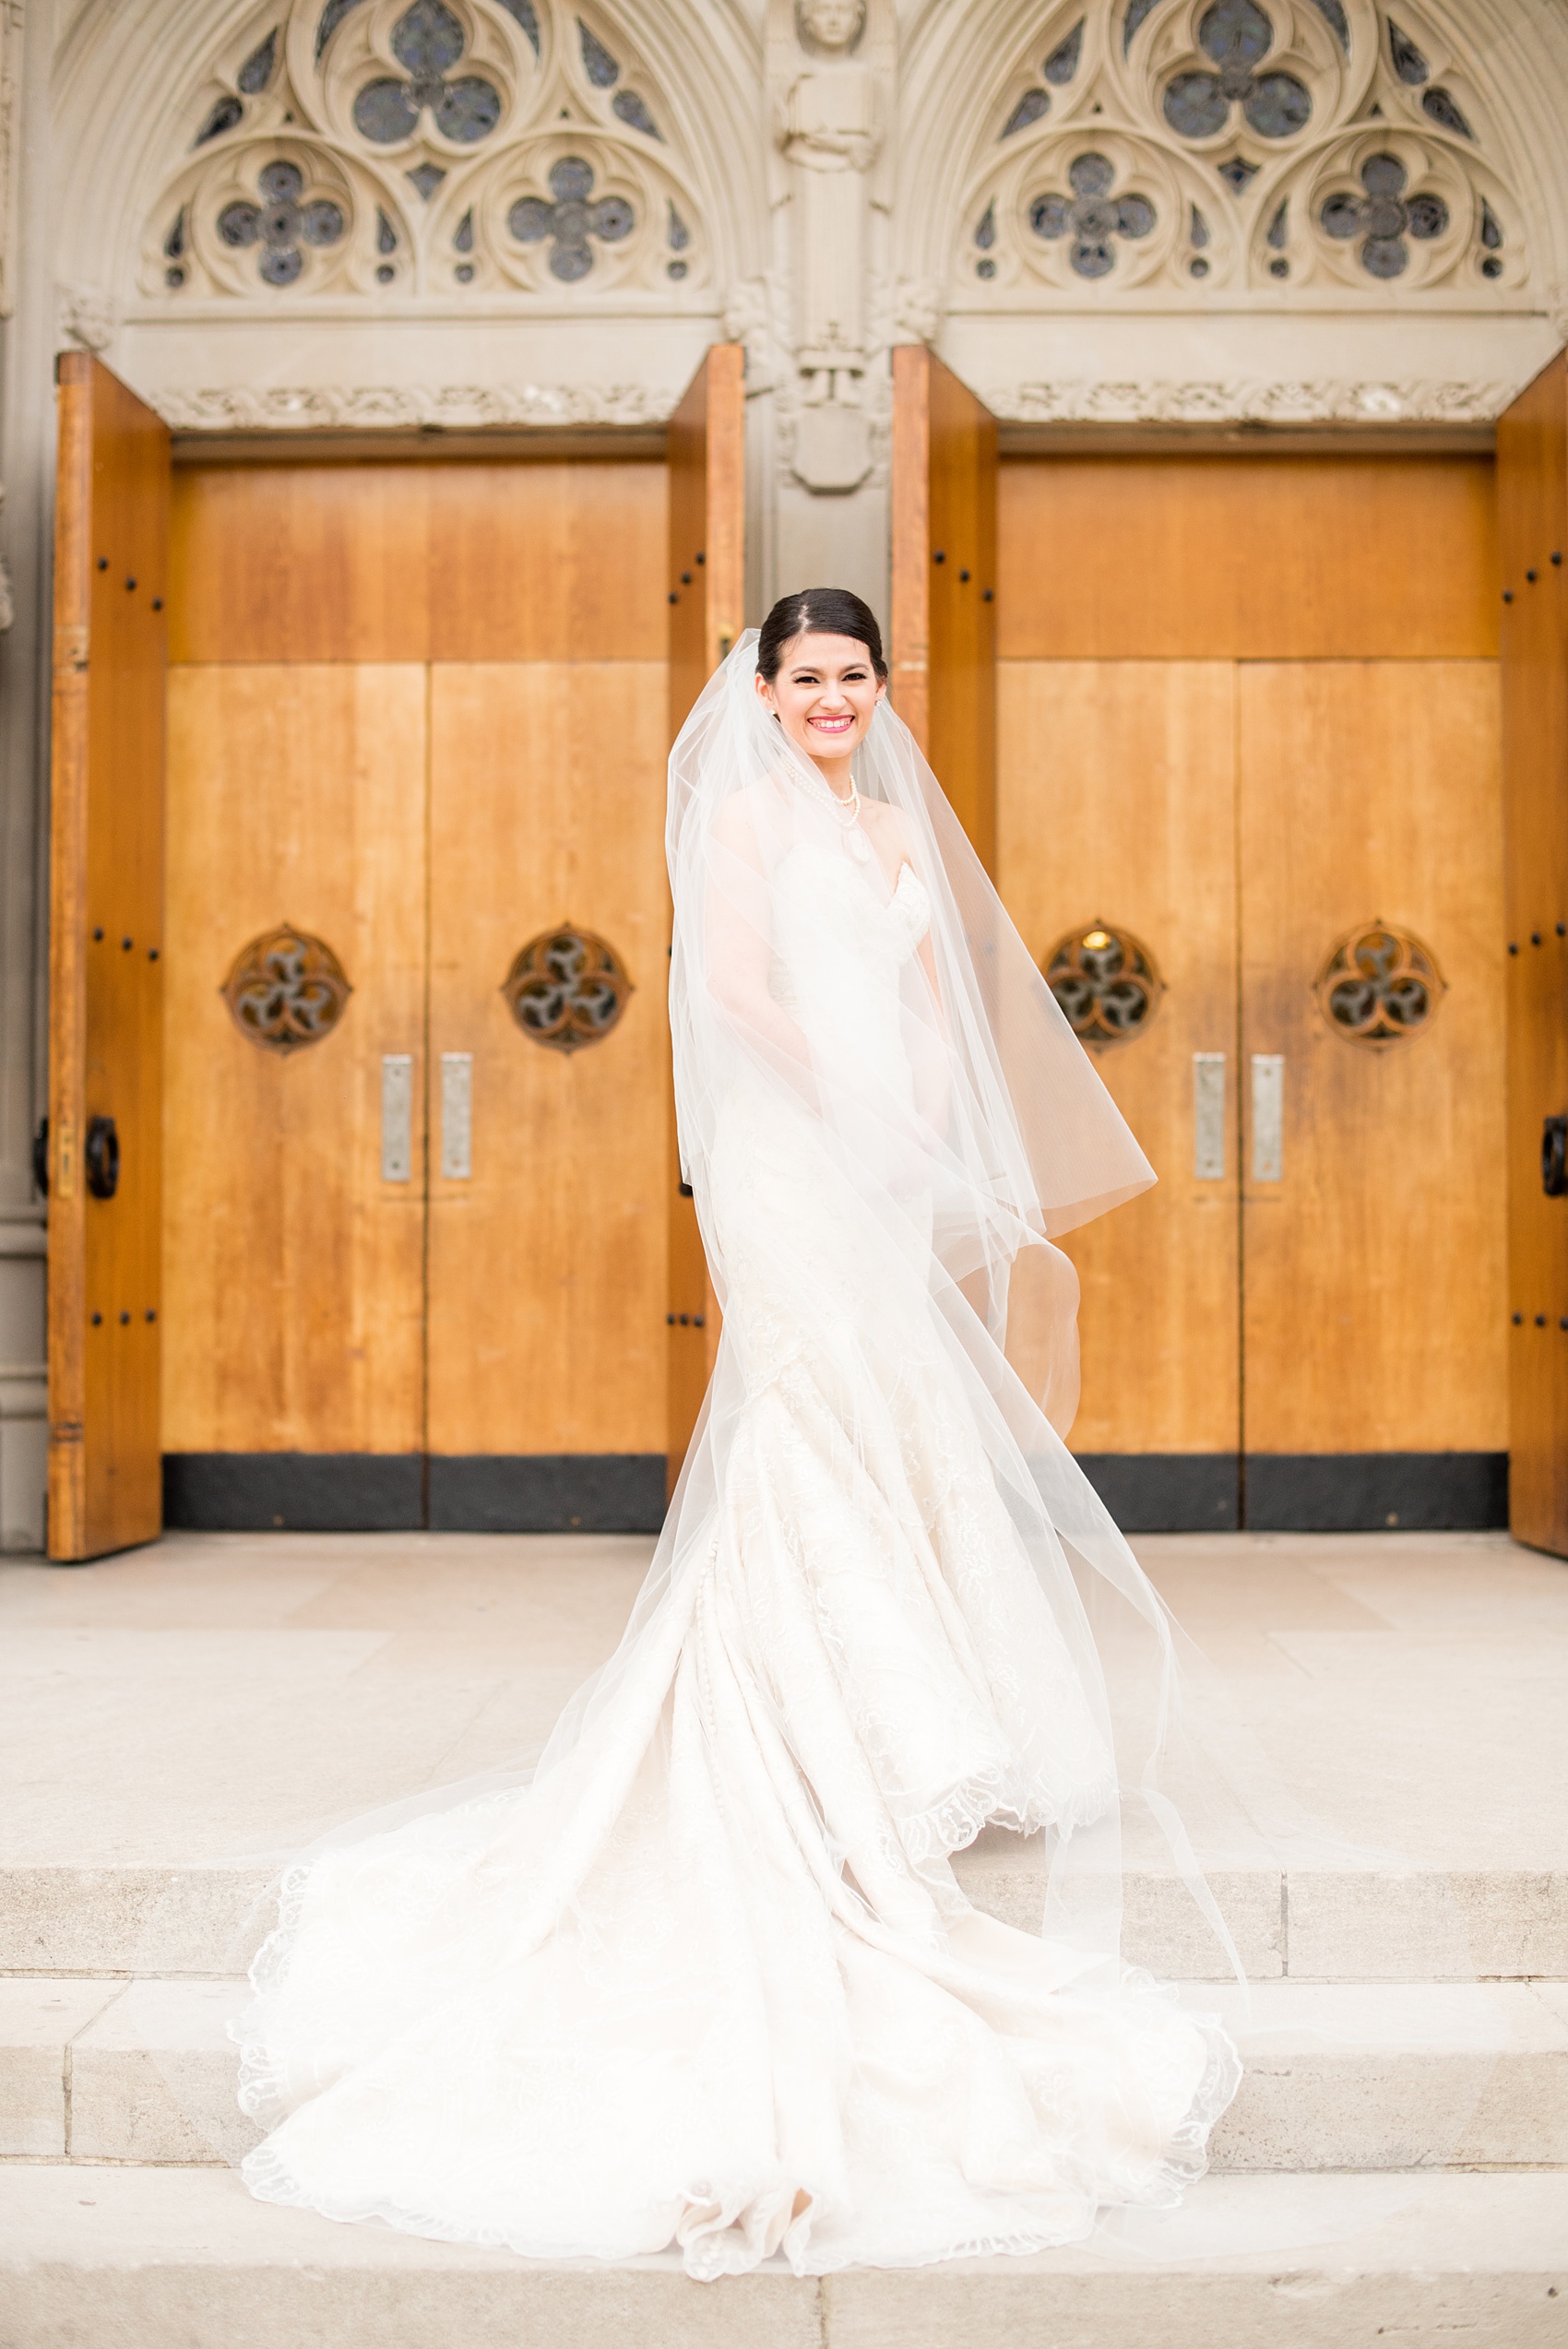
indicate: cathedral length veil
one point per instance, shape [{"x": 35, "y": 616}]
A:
[
  {"x": 948, "y": 1201},
  {"x": 456, "y": 2026}
]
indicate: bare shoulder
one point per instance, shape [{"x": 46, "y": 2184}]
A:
[{"x": 889, "y": 829}]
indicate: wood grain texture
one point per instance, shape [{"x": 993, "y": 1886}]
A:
[
  {"x": 945, "y": 568},
  {"x": 1247, "y": 557},
  {"x": 1118, "y": 802},
  {"x": 1532, "y": 479},
  {"x": 1374, "y": 1271},
  {"x": 547, "y": 1265},
  {"x": 707, "y": 592},
  {"x": 106, "y": 967},
  {"x": 546, "y": 560},
  {"x": 297, "y": 793}
]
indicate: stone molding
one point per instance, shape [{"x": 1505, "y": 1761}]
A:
[
  {"x": 455, "y": 407},
  {"x": 1324, "y": 401}
]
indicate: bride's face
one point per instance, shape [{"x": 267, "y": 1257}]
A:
[{"x": 824, "y": 695}]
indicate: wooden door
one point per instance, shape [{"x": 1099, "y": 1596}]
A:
[
  {"x": 294, "y": 1223},
  {"x": 547, "y": 1264},
  {"x": 945, "y": 570},
  {"x": 418, "y": 720},
  {"x": 1247, "y": 708},
  {"x": 1532, "y": 470},
  {"x": 706, "y": 595},
  {"x": 106, "y": 965}
]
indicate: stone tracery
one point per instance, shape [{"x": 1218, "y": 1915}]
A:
[
  {"x": 426, "y": 146},
  {"x": 1269, "y": 141}
]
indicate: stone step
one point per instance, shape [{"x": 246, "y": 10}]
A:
[
  {"x": 140, "y": 2259},
  {"x": 1390, "y": 1924},
  {"x": 1337, "y": 2077}
]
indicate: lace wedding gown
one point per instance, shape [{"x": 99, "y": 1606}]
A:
[{"x": 710, "y": 1980}]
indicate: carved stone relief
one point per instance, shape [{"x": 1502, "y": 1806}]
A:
[
  {"x": 830, "y": 92},
  {"x": 1256, "y": 147},
  {"x": 393, "y": 149}
]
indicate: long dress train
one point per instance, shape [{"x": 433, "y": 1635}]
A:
[{"x": 710, "y": 1980}]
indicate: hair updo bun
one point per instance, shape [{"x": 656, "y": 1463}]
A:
[{"x": 818, "y": 612}]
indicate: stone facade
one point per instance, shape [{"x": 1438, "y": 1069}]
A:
[{"x": 1111, "y": 217}]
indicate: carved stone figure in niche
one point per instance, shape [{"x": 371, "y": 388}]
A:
[{"x": 830, "y": 62}]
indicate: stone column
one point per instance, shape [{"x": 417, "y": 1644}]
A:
[{"x": 27, "y": 445}]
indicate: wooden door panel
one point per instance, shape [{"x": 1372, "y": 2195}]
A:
[
  {"x": 302, "y": 562},
  {"x": 707, "y": 598},
  {"x": 554, "y": 560},
  {"x": 297, "y": 794},
  {"x": 106, "y": 963},
  {"x": 944, "y": 561},
  {"x": 1248, "y": 557},
  {"x": 547, "y": 1327},
  {"x": 1117, "y": 801},
  {"x": 1374, "y": 1313},
  {"x": 1532, "y": 479}
]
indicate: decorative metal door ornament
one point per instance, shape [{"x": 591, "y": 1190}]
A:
[
  {"x": 1379, "y": 984},
  {"x": 1106, "y": 982},
  {"x": 286, "y": 990},
  {"x": 568, "y": 987}
]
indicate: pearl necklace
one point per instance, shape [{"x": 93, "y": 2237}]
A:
[{"x": 846, "y": 812}]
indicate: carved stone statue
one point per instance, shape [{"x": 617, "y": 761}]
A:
[{"x": 830, "y": 65}]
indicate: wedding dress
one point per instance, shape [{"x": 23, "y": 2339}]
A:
[{"x": 709, "y": 1979}]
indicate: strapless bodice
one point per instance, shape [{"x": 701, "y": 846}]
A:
[{"x": 836, "y": 938}]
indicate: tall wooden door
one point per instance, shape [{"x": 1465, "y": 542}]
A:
[
  {"x": 707, "y": 592},
  {"x": 944, "y": 618},
  {"x": 417, "y": 1069},
  {"x": 547, "y": 1250},
  {"x": 106, "y": 967},
  {"x": 1248, "y": 817},
  {"x": 1532, "y": 468}
]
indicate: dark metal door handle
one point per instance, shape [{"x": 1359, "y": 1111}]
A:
[
  {"x": 41, "y": 1158},
  {"x": 1554, "y": 1158},
  {"x": 102, "y": 1157}
]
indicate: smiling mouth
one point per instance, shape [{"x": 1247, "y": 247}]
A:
[{"x": 833, "y": 725}]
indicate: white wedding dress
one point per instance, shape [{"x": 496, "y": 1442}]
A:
[{"x": 709, "y": 1979}]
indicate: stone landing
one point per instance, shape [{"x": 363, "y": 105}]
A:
[{"x": 1396, "y": 2165}]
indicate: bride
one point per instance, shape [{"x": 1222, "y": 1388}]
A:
[{"x": 706, "y": 1978}]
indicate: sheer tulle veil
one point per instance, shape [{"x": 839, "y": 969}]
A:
[
  {"x": 886, "y": 1122},
  {"x": 949, "y": 1189}
]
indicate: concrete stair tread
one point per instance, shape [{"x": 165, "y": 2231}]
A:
[
  {"x": 1338, "y": 2076},
  {"x": 1395, "y": 1923},
  {"x": 145, "y": 2257}
]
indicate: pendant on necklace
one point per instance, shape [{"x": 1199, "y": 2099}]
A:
[{"x": 857, "y": 845}]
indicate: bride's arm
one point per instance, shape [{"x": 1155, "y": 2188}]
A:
[{"x": 739, "y": 943}]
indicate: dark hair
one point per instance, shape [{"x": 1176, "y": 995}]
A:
[{"x": 818, "y": 612}]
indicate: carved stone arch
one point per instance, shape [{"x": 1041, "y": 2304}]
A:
[
  {"x": 986, "y": 220},
  {"x": 153, "y": 101}
]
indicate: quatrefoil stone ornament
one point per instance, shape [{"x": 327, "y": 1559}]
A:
[
  {"x": 282, "y": 224},
  {"x": 1382, "y": 216},
  {"x": 571, "y": 220},
  {"x": 1237, "y": 36},
  {"x": 427, "y": 41},
  {"x": 1092, "y": 216}
]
